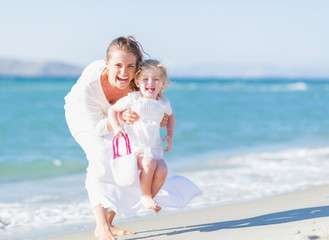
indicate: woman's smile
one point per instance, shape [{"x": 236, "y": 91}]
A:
[{"x": 122, "y": 80}]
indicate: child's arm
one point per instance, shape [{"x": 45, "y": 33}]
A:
[
  {"x": 170, "y": 131},
  {"x": 114, "y": 121}
]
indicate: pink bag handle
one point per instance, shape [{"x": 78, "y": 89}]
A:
[{"x": 115, "y": 144}]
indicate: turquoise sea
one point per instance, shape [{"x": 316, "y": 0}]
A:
[{"x": 237, "y": 139}]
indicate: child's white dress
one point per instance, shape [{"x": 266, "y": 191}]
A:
[
  {"x": 144, "y": 134},
  {"x": 145, "y": 138}
]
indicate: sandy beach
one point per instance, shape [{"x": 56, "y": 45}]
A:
[{"x": 298, "y": 215}]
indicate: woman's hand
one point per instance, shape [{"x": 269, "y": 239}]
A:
[
  {"x": 164, "y": 121},
  {"x": 128, "y": 116}
]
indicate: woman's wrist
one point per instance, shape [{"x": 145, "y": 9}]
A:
[{"x": 120, "y": 119}]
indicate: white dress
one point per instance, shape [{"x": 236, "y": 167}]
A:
[
  {"x": 145, "y": 133},
  {"x": 86, "y": 110}
]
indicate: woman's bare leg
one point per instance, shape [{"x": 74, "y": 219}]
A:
[
  {"x": 115, "y": 230},
  {"x": 159, "y": 177},
  {"x": 102, "y": 231},
  {"x": 147, "y": 165}
]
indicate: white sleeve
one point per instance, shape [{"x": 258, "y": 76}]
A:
[
  {"x": 93, "y": 112},
  {"x": 167, "y": 107},
  {"x": 124, "y": 102}
]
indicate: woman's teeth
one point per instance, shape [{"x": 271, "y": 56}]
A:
[{"x": 122, "y": 80}]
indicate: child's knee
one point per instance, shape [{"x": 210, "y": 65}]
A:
[
  {"x": 149, "y": 162},
  {"x": 162, "y": 171}
]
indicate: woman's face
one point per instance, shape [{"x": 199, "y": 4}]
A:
[{"x": 122, "y": 68}]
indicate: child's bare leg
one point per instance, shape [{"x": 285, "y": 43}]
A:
[
  {"x": 159, "y": 177},
  {"x": 102, "y": 231},
  {"x": 147, "y": 166},
  {"x": 115, "y": 230}
]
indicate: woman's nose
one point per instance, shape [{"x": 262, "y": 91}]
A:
[{"x": 123, "y": 70}]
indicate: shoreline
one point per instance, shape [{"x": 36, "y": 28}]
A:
[{"x": 297, "y": 215}]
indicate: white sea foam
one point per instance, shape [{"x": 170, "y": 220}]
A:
[
  {"x": 284, "y": 87},
  {"x": 259, "y": 175}
]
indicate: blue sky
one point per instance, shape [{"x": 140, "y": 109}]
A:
[{"x": 196, "y": 38}]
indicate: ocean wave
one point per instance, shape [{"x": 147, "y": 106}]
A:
[
  {"x": 241, "y": 86},
  {"x": 258, "y": 175},
  {"x": 40, "y": 204},
  {"x": 39, "y": 168},
  {"x": 290, "y": 87},
  {"x": 45, "y": 207}
]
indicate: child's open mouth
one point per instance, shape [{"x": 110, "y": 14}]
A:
[{"x": 150, "y": 90}]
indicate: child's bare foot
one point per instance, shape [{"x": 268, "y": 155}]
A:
[
  {"x": 119, "y": 232},
  {"x": 149, "y": 203},
  {"x": 103, "y": 234}
]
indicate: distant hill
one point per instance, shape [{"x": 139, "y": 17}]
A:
[{"x": 10, "y": 67}]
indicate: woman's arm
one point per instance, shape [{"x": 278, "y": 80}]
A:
[
  {"x": 128, "y": 116},
  {"x": 113, "y": 122},
  {"x": 164, "y": 120},
  {"x": 93, "y": 112},
  {"x": 87, "y": 99}
]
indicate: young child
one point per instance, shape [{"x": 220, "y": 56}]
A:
[{"x": 150, "y": 104}]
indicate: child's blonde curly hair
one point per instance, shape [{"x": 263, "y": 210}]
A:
[{"x": 155, "y": 64}]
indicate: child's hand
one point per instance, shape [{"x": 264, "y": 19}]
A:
[
  {"x": 168, "y": 138},
  {"x": 119, "y": 131}
]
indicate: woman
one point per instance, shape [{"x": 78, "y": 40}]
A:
[{"x": 102, "y": 84}]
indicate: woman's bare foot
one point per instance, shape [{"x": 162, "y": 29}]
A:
[
  {"x": 149, "y": 203},
  {"x": 104, "y": 234},
  {"x": 119, "y": 232},
  {"x": 116, "y": 231}
]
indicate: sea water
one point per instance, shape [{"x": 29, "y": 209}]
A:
[{"x": 237, "y": 139}]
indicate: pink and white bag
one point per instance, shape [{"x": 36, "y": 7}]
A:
[{"x": 124, "y": 167}]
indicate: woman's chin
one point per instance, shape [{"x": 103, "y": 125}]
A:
[{"x": 122, "y": 86}]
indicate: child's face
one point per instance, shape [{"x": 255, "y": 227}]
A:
[{"x": 150, "y": 83}]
